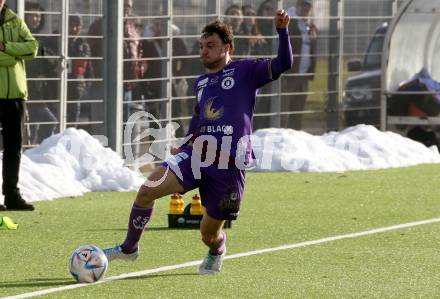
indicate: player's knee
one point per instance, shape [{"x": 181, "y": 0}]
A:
[{"x": 145, "y": 195}]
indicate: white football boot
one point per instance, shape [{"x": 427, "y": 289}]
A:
[
  {"x": 212, "y": 264},
  {"x": 115, "y": 253}
]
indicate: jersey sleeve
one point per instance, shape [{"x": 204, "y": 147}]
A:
[
  {"x": 260, "y": 72},
  {"x": 266, "y": 70}
]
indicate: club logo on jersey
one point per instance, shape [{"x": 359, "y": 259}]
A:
[
  {"x": 212, "y": 113},
  {"x": 228, "y": 83}
]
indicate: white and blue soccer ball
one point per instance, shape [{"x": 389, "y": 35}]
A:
[{"x": 88, "y": 264}]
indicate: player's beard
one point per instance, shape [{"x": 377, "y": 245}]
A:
[{"x": 212, "y": 65}]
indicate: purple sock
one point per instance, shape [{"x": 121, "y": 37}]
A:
[
  {"x": 219, "y": 248},
  {"x": 139, "y": 218}
]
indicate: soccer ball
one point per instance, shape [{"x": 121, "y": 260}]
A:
[{"x": 88, "y": 264}]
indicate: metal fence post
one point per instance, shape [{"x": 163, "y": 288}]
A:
[
  {"x": 170, "y": 134},
  {"x": 275, "y": 103},
  {"x": 113, "y": 71},
  {"x": 64, "y": 63},
  {"x": 333, "y": 68}
]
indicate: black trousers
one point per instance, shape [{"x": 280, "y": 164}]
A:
[
  {"x": 11, "y": 121},
  {"x": 294, "y": 103}
]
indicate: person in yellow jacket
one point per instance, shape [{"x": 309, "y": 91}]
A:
[{"x": 16, "y": 45}]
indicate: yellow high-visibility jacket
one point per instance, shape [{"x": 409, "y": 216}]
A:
[{"x": 20, "y": 45}]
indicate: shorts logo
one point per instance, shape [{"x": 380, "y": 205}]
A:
[
  {"x": 228, "y": 83},
  {"x": 234, "y": 196},
  {"x": 230, "y": 205}
]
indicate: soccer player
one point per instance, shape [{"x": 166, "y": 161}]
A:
[{"x": 218, "y": 133}]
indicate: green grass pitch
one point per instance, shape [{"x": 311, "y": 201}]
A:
[{"x": 278, "y": 209}]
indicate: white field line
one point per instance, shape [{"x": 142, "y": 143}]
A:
[{"x": 232, "y": 256}]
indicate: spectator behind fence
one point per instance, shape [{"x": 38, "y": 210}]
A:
[
  {"x": 234, "y": 19},
  {"x": 79, "y": 69},
  {"x": 265, "y": 47},
  {"x": 249, "y": 28},
  {"x": 41, "y": 68},
  {"x": 181, "y": 67},
  {"x": 303, "y": 35},
  {"x": 265, "y": 28},
  {"x": 16, "y": 46},
  {"x": 96, "y": 49},
  {"x": 133, "y": 68},
  {"x": 96, "y": 89},
  {"x": 154, "y": 48}
]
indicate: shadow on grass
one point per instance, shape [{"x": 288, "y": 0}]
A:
[
  {"x": 148, "y": 229},
  {"x": 149, "y": 276},
  {"x": 37, "y": 282},
  {"x": 60, "y": 282},
  {"x": 50, "y": 282}
]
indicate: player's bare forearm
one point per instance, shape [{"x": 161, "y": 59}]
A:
[{"x": 281, "y": 19}]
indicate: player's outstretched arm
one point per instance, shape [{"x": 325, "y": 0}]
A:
[{"x": 283, "y": 61}]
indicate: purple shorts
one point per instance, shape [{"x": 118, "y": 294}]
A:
[{"x": 221, "y": 190}]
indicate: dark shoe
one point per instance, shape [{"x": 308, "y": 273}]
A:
[
  {"x": 2, "y": 208},
  {"x": 17, "y": 203}
]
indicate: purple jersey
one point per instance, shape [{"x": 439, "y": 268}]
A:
[
  {"x": 224, "y": 110},
  {"x": 226, "y": 100}
]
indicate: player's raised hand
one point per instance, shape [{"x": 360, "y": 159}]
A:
[{"x": 281, "y": 19}]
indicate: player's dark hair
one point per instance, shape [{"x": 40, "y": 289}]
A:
[{"x": 223, "y": 31}]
